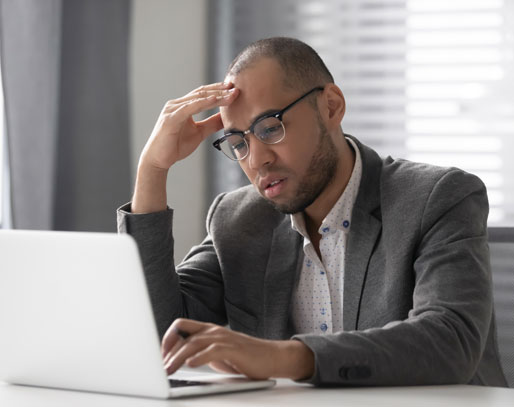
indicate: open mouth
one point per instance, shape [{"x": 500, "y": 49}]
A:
[
  {"x": 274, "y": 183},
  {"x": 274, "y": 188}
]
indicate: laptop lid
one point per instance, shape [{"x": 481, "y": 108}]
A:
[{"x": 75, "y": 314}]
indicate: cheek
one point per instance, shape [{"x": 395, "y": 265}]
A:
[
  {"x": 296, "y": 157},
  {"x": 250, "y": 174},
  {"x": 301, "y": 143}
]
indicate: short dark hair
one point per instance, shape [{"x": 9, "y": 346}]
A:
[{"x": 302, "y": 66}]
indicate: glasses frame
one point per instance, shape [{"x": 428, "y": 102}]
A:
[{"x": 278, "y": 115}]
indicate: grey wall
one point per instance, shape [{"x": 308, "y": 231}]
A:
[{"x": 168, "y": 59}]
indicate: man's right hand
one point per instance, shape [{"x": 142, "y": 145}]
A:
[{"x": 175, "y": 136}]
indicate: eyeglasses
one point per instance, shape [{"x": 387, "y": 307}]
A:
[{"x": 268, "y": 128}]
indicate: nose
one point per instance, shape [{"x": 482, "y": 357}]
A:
[{"x": 260, "y": 154}]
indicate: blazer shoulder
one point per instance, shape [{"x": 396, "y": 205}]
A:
[
  {"x": 242, "y": 208},
  {"x": 420, "y": 180},
  {"x": 424, "y": 193}
]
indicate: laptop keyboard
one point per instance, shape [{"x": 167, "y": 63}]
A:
[{"x": 185, "y": 383}]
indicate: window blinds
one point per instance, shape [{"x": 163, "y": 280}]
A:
[{"x": 430, "y": 81}]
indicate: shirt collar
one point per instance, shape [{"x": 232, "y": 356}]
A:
[{"x": 339, "y": 217}]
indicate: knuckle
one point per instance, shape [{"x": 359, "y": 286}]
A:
[
  {"x": 178, "y": 322},
  {"x": 202, "y": 88},
  {"x": 216, "y": 329}
]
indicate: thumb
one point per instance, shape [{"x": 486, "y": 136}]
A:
[{"x": 210, "y": 125}]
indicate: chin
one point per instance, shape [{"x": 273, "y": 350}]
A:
[{"x": 289, "y": 208}]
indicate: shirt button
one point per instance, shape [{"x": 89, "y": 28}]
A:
[
  {"x": 323, "y": 327},
  {"x": 325, "y": 229},
  {"x": 346, "y": 223}
]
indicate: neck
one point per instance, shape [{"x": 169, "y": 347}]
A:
[{"x": 320, "y": 208}]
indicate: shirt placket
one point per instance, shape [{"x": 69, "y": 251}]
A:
[
  {"x": 321, "y": 300},
  {"x": 334, "y": 274}
]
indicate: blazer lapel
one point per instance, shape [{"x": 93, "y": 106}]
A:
[
  {"x": 280, "y": 280},
  {"x": 362, "y": 238},
  {"x": 364, "y": 233}
]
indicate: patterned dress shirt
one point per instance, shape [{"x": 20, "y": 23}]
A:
[{"x": 318, "y": 297}]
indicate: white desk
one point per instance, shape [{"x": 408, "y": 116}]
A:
[{"x": 284, "y": 394}]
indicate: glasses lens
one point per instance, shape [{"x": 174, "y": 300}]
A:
[
  {"x": 269, "y": 130},
  {"x": 234, "y": 147}
]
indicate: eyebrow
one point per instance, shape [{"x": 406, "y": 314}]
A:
[{"x": 255, "y": 118}]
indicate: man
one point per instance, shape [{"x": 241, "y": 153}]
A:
[{"x": 336, "y": 266}]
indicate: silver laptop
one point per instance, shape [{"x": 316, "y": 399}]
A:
[{"x": 75, "y": 314}]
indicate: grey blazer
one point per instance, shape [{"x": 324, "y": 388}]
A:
[{"x": 417, "y": 290}]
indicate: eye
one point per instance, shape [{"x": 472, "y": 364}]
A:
[
  {"x": 270, "y": 133},
  {"x": 269, "y": 130},
  {"x": 239, "y": 146}
]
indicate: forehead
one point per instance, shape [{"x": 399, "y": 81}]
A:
[{"x": 261, "y": 88}]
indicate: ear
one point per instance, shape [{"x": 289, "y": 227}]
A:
[{"x": 334, "y": 105}]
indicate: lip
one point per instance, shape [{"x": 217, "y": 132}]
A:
[
  {"x": 272, "y": 191},
  {"x": 266, "y": 182}
]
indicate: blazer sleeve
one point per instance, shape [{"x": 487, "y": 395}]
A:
[
  {"x": 194, "y": 289},
  {"x": 442, "y": 338}
]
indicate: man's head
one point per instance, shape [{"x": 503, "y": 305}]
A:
[
  {"x": 308, "y": 167},
  {"x": 301, "y": 65}
]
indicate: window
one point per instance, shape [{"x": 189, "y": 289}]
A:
[
  {"x": 430, "y": 81},
  {"x": 459, "y": 94}
]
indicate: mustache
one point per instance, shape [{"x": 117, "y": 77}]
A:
[{"x": 280, "y": 171}]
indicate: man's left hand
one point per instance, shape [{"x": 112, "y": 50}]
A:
[{"x": 197, "y": 343}]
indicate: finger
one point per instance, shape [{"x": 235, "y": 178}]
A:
[
  {"x": 180, "y": 329},
  {"x": 204, "y": 93},
  {"x": 235, "y": 357},
  {"x": 173, "y": 350},
  {"x": 168, "y": 341},
  {"x": 196, "y": 345},
  {"x": 220, "y": 366},
  {"x": 171, "y": 104},
  {"x": 172, "y": 336},
  {"x": 188, "y": 109},
  {"x": 183, "y": 352},
  {"x": 183, "y": 335},
  {"x": 213, "y": 86},
  {"x": 214, "y": 353}
]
